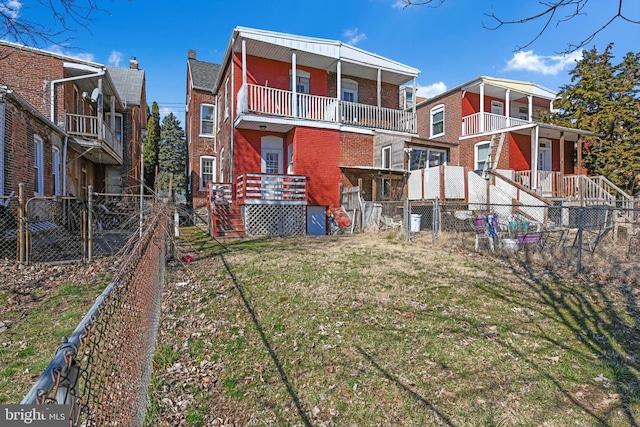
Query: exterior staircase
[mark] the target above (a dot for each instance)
(495, 148)
(227, 221)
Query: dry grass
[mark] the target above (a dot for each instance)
(371, 330)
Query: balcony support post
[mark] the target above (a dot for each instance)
(245, 106)
(379, 88)
(535, 150)
(112, 116)
(294, 85)
(530, 98)
(338, 115)
(561, 179)
(507, 107)
(414, 128)
(100, 109)
(481, 107)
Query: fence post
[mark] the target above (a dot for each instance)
(90, 225)
(407, 220)
(21, 234)
(580, 227)
(435, 223)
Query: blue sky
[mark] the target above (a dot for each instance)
(448, 43)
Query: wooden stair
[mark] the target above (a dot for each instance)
(227, 221)
(495, 148)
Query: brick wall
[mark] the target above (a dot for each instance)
(452, 125)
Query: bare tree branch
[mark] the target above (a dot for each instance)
(550, 14)
(67, 16)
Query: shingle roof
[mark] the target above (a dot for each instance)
(129, 82)
(203, 74)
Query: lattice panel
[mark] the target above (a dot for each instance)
(275, 220)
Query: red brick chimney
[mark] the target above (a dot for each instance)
(191, 54)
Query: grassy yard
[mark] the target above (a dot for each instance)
(371, 330)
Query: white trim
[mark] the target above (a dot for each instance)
(475, 153)
(212, 173)
(496, 103)
(290, 159)
(385, 157)
(435, 110)
(271, 145)
(38, 165)
(221, 166)
(213, 121)
(349, 86)
(55, 167)
(115, 131)
(226, 99)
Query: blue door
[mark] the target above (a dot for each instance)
(316, 221)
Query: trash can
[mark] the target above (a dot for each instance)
(415, 222)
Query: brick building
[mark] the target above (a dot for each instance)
(296, 117)
(102, 111)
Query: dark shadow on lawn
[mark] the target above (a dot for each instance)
(582, 303)
(440, 417)
(268, 346)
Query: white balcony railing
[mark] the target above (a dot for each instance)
(87, 127)
(278, 102)
(488, 122)
(260, 188)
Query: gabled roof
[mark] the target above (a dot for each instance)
(5, 91)
(129, 83)
(203, 74)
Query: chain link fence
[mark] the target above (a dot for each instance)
(570, 233)
(103, 369)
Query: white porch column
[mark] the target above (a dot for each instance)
(507, 106)
(535, 153)
(245, 100)
(379, 88)
(530, 98)
(481, 107)
(294, 85)
(338, 115)
(414, 97)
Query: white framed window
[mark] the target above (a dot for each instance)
(226, 99)
(386, 157)
(349, 90)
(272, 153)
(497, 107)
(422, 157)
(38, 166)
(207, 119)
(303, 81)
(55, 160)
(437, 121)
(207, 171)
(481, 152)
(118, 127)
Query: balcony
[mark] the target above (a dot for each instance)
(280, 103)
(479, 123)
(269, 189)
(101, 142)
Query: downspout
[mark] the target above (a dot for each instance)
(68, 79)
(64, 166)
(232, 153)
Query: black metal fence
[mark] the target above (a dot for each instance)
(103, 369)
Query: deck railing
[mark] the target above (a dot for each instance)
(87, 127)
(278, 102)
(488, 122)
(259, 188)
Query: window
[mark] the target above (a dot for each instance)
(55, 157)
(303, 80)
(497, 107)
(272, 160)
(437, 121)
(207, 114)
(226, 99)
(207, 171)
(422, 158)
(118, 127)
(38, 166)
(349, 90)
(481, 154)
(386, 157)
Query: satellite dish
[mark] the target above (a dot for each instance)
(95, 94)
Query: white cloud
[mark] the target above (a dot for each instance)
(354, 36)
(399, 4)
(548, 65)
(114, 58)
(66, 52)
(431, 90)
(11, 9)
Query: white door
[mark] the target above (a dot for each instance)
(545, 173)
(272, 166)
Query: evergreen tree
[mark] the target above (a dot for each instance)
(172, 156)
(604, 98)
(152, 147)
